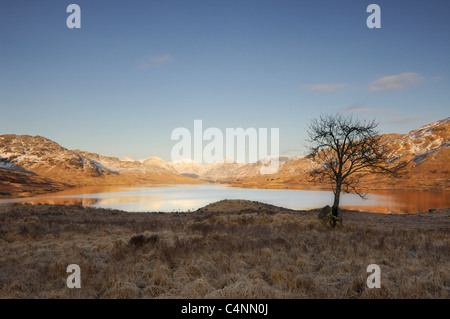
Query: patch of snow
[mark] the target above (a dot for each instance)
(185, 161)
(7, 164)
(100, 166)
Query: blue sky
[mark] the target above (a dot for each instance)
(136, 70)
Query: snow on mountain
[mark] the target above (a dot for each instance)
(226, 169)
(156, 162)
(128, 166)
(184, 161)
(7, 164)
(50, 160)
(428, 140)
(188, 167)
(426, 149)
(424, 142)
(47, 158)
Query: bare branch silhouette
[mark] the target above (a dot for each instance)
(346, 149)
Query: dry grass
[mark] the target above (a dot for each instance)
(264, 253)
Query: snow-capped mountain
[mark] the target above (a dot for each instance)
(129, 166)
(49, 159)
(34, 160)
(225, 170)
(427, 141)
(188, 167)
(426, 149)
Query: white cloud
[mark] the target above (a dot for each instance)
(325, 87)
(153, 61)
(396, 82)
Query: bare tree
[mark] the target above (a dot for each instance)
(347, 149)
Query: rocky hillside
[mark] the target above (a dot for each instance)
(427, 150)
(424, 145)
(16, 180)
(152, 165)
(28, 159)
(35, 160)
(49, 159)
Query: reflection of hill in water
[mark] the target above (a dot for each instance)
(65, 201)
(94, 201)
(125, 200)
(405, 202)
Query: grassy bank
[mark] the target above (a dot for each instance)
(241, 252)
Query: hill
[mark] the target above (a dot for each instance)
(426, 149)
(33, 164)
(35, 160)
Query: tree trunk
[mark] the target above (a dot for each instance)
(335, 208)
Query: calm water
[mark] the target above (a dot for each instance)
(172, 198)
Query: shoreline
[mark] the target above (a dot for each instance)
(409, 205)
(29, 194)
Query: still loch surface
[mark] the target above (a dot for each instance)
(175, 198)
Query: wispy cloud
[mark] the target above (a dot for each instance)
(396, 82)
(152, 61)
(409, 119)
(361, 108)
(325, 87)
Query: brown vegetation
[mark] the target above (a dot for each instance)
(265, 252)
(23, 184)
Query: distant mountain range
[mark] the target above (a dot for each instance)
(35, 164)
(24, 158)
(218, 172)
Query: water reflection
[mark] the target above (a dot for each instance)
(170, 198)
(62, 201)
(407, 202)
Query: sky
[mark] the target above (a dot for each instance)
(137, 70)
